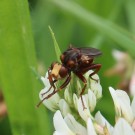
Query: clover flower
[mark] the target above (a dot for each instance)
(70, 118)
(125, 68)
(70, 100)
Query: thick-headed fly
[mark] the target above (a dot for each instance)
(76, 60)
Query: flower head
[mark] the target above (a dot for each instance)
(69, 99)
(71, 118)
(125, 68)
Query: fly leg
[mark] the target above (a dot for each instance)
(82, 78)
(50, 88)
(92, 66)
(55, 91)
(51, 81)
(97, 68)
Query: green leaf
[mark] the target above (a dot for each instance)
(37, 75)
(5, 127)
(116, 33)
(130, 10)
(99, 38)
(17, 55)
(56, 46)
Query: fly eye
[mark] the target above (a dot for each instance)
(63, 72)
(62, 57)
(71, 63)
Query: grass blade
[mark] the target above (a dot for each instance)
(130, 9)
(17, 55)
(106, 27)
(56, 46)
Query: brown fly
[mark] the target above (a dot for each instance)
(76, 60)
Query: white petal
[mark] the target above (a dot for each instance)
(133, 106)
(123, 96)
(60, 125)
(103, 122)
(116, 101)
(95, 76)
(52, 102)
(122, 128)
(96, 88)
(45, 80)
(90, 128)
(118, 55)
(64, 107)
(84, 113)
(57, 133)
(122, 104)
(91, 100)
(76, 127)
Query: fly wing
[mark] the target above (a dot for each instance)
(90, 52)
(70, 55)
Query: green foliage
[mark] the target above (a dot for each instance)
(108, 28)
(90, 22)
(17, 55)
(56, 46)
(106, 24)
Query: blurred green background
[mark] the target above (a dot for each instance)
(26, 43)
